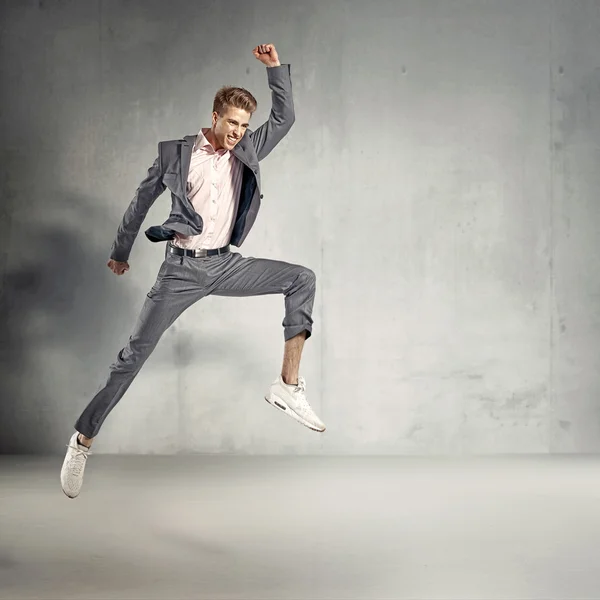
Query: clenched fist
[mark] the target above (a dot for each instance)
(118, 267)
(267, 55)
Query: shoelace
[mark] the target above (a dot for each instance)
(301, 387)
(79, 453)
(300, 390)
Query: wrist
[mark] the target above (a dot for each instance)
(277, 64)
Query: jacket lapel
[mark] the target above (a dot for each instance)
(186, 158)
(239, 152)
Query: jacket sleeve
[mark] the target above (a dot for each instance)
(148, 191)
(281, 118)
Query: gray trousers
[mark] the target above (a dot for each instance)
(183, 280)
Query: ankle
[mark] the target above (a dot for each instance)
(84, 441)
(289, 380)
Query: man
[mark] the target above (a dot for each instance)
(214, 179)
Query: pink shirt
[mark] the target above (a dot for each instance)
(213, 187)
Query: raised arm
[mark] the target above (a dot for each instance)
(282, 117)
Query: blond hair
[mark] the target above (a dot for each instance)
(234, 97)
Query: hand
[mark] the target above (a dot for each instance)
(118, 267)
(267, 55)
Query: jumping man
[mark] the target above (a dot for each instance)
(214, 180)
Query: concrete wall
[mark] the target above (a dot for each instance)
(441, 179)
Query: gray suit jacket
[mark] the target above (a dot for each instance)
(171, 169)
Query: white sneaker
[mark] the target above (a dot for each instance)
(292, 400)
(71, 475)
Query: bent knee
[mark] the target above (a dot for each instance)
(308, 277)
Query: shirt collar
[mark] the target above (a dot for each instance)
(204, 144)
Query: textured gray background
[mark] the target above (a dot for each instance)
(441, 179)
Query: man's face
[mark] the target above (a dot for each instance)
(232, 124)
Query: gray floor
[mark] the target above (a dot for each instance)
(303, 527)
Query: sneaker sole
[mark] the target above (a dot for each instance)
(281, 405)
